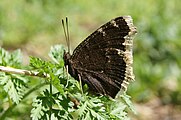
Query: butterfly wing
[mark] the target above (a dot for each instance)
(104, 59)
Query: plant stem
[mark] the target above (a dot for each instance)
(50, 98)
(22, 72)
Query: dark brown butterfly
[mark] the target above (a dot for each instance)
(104, 59)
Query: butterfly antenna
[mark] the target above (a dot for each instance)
(65, 32)
(68, 35)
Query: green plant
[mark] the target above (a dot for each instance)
(65, 98)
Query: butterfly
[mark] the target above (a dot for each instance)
(104, 59)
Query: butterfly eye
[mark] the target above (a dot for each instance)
(66, 58)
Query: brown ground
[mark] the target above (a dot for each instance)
(153, 110)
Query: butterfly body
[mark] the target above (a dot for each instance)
(104, 59)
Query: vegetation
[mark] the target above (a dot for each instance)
(65, 99)
(34, 26)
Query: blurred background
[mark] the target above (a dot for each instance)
(35, 25)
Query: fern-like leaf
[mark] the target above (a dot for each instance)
(38, 109)
(14, 85)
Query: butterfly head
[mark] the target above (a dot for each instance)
(66, 58)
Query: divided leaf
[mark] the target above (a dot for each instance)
(14, 85)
